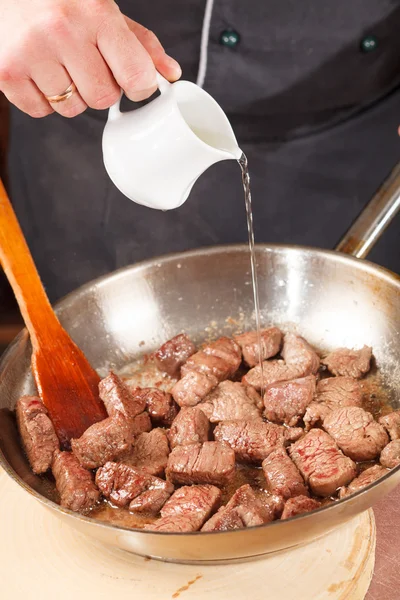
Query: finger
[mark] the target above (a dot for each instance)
(166, 65)
(25, 95)
(92, 77)
(53, 79)
(129, 62)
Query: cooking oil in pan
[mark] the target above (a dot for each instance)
(247, 198)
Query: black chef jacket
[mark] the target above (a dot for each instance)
(312, 91)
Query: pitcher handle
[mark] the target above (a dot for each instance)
(114, 113)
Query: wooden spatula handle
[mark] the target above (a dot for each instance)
(21, 272)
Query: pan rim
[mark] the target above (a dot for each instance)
(362, 264)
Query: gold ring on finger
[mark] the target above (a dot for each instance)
(64, 96)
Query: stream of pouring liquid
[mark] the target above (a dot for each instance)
(247, 198)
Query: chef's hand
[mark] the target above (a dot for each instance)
(47, 44)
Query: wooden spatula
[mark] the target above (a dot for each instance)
(65, 380)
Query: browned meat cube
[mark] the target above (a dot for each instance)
(140, 423)
(74, 483)
(172, 524)
(252, 441)
(191, 426)
(221, 358)
(199, 501)
(300, 360)
(273, 371)
(207, 364)
(231, 401)
(189, 507)
(298, 353)
(173, 354)
(37, 433)
(118, 398)
(149, 453)
(192, 388)
(282, 475)
(321, 463)
(228, 350)
(349, 363)
(293, 434)
(286, 402)
(244, 509)
(150, 501)
(107, 440)
(356, 433)
(159, 404)
(224, 520)
(121, 483)
(299, 505)
(271, 340)
(390, 455)
(368, 476)
(195, 463)
(391, 423)
(332, 393)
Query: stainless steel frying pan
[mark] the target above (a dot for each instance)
(330, 298)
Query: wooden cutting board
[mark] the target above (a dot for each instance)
(41, 557)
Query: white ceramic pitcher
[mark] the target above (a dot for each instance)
(155, 153)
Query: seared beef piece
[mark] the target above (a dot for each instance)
(244, 509)
(150, 501)
(273, 503)
(231, 401)
(298, 505)
(253, 440)
(300, 360)
(293, 434)
(271, 340)
(282, 475)
(74, 483)
(118, 398)
(321, 463)
(297, 352)
(221, 358)
(207, 364)
(173, 354)
(198, 501)
(391, 423)
(192, 388)
(332, 393)
(286, 402)
(149, 453)
(191, 426)
(107, 440)
(368, 476)
(121, 483)
(349, 363)
(390, 455)
(356, 433)
(160, 405)
(172, 524)
(37, 432)
(140, 423)
(195, 463)
(228, 350)
(224, 520)
(188, 508)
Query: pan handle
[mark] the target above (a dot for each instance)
(374, 219)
